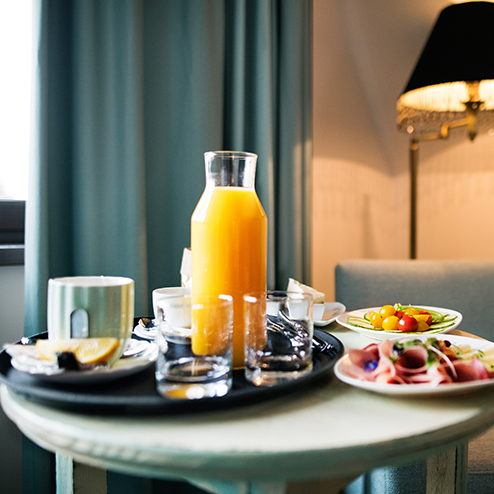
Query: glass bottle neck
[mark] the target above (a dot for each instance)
(230, 169)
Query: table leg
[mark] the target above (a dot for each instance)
(240, 487)
(73, 477)
(447, 472)
(325, 486)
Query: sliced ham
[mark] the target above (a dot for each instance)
(367, 358)
(382, 363)
(470, 371)
(412, 360)
(435, 375)
(386, 348)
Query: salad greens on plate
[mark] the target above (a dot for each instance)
(389, 321)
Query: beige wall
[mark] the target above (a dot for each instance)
(364, 53)
(456, 199)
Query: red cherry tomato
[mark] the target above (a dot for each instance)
(399, 314)
(408, 324)
(429, 320)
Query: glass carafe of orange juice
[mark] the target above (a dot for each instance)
(229, 242)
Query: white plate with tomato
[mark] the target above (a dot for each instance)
(405, 320)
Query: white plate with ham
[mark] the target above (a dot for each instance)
(357, 320)
(425, 365)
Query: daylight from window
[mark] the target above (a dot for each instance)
(15, 96)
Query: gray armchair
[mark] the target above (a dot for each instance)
(465, 286)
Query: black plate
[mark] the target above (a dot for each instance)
(136, 395)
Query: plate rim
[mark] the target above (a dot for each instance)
(423, 389)
(385, 335)
(122, 368)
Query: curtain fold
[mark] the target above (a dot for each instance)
(268, 99)
(130, 94)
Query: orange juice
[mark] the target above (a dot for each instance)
(229, 256)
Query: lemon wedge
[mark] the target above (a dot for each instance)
(95, 351)
(296, 286)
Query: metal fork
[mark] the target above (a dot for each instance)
(317, 342)
(294, 329)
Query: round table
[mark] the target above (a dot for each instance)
(332, 431)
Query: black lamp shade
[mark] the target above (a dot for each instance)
(456, 65)
(460, 47)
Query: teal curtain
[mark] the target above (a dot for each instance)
(129, 95)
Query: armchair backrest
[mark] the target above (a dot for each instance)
(465, 286)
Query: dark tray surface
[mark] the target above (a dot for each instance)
(137, 395)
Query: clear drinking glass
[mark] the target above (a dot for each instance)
(184, 372)
(278, 338)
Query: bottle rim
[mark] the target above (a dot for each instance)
(230, 154)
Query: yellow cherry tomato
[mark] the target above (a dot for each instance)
(390, 323)
(423, 326)
(422, 317)
(411, 311)
(386, 311)
(376, 320)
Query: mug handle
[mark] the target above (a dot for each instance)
(79, 324)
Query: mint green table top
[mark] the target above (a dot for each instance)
(331, 431)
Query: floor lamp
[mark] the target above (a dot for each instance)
(451, 86)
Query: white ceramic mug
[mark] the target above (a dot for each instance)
(91, 306)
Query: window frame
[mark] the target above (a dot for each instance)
(12, 223)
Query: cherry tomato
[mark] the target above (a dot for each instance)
(422, 326)
(386, 311)
(411, 311)
(390, 323)
(399, 314)
(423, 318)
(429, 320)
(376, 320)
(408, 324)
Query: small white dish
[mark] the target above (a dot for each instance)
(148, 334)
(343, 365)
(121, 368)
(135, 347)
(331, 311)
(379, 334)
(173, 331)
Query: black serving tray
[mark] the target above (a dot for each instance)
(137, 395)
